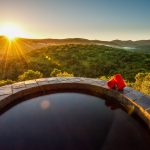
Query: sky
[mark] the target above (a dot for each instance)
(90, 19)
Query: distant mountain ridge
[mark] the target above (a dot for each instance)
(32, 44)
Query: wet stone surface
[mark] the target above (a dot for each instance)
(134, 95)
(144, 101)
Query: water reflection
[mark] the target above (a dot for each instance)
(70, 121)
(45, 104)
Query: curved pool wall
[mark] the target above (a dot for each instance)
(133, 101)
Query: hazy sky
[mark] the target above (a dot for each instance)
(92, 19)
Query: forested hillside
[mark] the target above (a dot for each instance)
(81, 60)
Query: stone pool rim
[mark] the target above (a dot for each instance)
(130, 99)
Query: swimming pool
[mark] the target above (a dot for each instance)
(70, 121)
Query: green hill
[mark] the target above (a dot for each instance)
(34, 44)
(81, 60)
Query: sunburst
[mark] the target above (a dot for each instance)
(12, 47)
(11, 31)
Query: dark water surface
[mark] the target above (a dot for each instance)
(70, 121)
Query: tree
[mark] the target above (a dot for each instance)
(29, 75)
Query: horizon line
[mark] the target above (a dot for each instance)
(49, 38)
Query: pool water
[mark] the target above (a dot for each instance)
(70, 121)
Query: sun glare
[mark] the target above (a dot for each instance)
(11, 31)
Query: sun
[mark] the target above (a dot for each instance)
(11, 31)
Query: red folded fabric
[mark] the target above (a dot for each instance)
(111, 83)
(117, 81)
(120, 81)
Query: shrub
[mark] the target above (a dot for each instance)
(64, 74)
(5, 82)
(55, 72)
(142, 83)
(145, 87)
(59, 73)
(104, 78)
(29, 75)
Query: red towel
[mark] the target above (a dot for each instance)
(117, 81)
